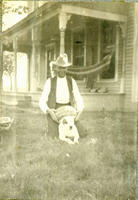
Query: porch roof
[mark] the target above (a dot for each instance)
(51, 9)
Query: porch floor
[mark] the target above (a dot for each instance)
(92, 101)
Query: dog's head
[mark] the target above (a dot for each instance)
(67, 121)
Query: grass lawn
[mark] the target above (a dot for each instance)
(101, 167)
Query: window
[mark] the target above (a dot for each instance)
(78, 48)
(9, 71)
(108, 40)
(50, 55)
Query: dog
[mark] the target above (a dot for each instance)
(68, 131)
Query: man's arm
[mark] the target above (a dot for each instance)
(44, 97)
(43, 101)
(78, 99)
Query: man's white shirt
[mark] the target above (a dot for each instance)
(62, 94)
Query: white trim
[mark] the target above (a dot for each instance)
(93, 13)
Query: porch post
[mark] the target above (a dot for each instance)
(38, 70)
(63, 19)
(123, 34)
(99, 46)
(99, 43)
(28, 72)
(15, 48)
(62, 41)
(1, 72)
(36, 59)
(33, 63)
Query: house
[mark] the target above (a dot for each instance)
(82, 30)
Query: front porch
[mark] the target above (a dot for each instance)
(65, 28)
(92, 101)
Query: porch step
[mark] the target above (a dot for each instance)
(21, 99)
(25, 101)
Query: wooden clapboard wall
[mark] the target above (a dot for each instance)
(129, 62)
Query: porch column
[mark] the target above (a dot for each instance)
(122, 26)
(28, 72)
(1, 72)
(99, 43)
(99, 46)
(15, 48)
(33, 63)
(63, 19)
(62, 41)
(38, 64)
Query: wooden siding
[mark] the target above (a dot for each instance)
(128, 104)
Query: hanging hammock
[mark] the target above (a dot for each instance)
(93, 69)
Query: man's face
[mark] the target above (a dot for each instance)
(61, 71)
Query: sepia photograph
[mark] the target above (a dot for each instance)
(68, 100)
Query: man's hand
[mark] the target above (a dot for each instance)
(78, 115)
(52, 114)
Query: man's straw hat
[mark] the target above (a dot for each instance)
(61, 61)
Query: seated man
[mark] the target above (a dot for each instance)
(58, 91)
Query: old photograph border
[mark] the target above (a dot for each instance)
(20, 117)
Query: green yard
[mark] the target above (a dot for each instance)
(101, 167)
